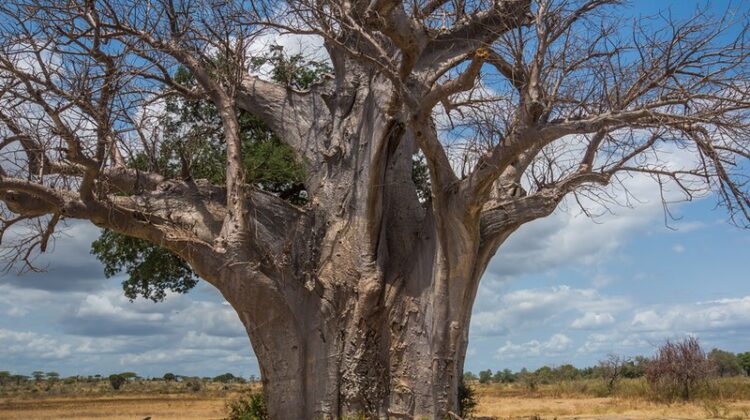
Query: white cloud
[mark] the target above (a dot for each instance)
(569, 237)
(523, 308)
(593, 320)
(309, 46)
(556, 344)
(32, 345)
(702, 316)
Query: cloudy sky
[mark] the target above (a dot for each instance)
(563, 289)
(566, 289)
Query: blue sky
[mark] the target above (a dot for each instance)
(565, 289)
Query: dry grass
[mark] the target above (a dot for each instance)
(605, 408)
(134, 401)
(174, 401)
(177, 406)
(722, 399)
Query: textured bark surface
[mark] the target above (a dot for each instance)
(359, 301)
(367, 307)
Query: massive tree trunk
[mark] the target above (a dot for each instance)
(364, 306)
(359, 301)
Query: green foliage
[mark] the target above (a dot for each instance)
(116, 380)
(193, 147)
(529, 379)
(505, 376)
(744, 359)
(485, 376)
(226, 378)
(151, 270)
(249, 406)
(38, 375)
(294, 71)
(169, 377)
(467, 401)
(725, 363)
(129, 375)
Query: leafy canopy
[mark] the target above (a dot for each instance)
(193, 148)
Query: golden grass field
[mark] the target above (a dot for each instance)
(494, 401)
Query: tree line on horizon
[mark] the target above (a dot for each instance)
(723, 363)
(117, 379)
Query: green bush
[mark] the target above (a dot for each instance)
(249, 406)
(466, 399)
(116, 381)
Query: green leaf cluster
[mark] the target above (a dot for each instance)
(192, 147)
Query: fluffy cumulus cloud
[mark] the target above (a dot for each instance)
(533, 307)
(593, 320)
(97, 330)
(570, 238)
(556, 344)
(723, 323)
(717, 315)
(17, 344)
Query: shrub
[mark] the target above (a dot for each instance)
(170, 377)
(529, 379)
(194, 384)
(678, 369)
(726, 363)
(466, 399)
(116, 380)
(485, 376)
(612, 370)
(249, 406)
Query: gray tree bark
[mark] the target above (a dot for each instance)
(358, 302)
(366, 304)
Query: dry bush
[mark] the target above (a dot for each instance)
(678, 368)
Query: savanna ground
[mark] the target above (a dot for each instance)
(723, 398)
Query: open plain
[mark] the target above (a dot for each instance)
(158, 401)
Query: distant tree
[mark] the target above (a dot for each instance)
(38, 375)
(469, 376)
(566, 372)
(612, 369)
(116, 380)
(19, 379)
(529, 379)
(744, 359)
(506, 376)
(636, 367)
(128, 376)
(52, 376)
(726, 363)
(5, 377)
(485, 376)
(678, 367)
(544, 374)
(225, 378)
(170, 377)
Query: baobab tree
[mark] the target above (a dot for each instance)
(357, 299)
